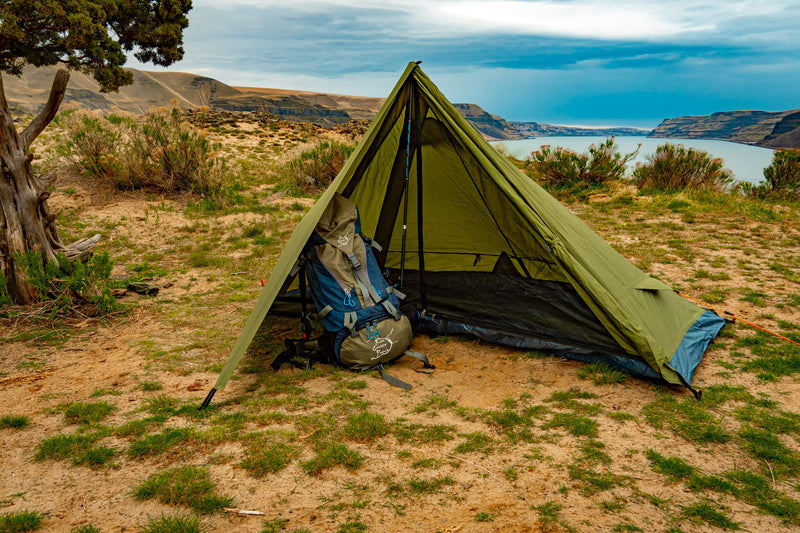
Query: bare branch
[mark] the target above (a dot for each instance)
(44, 181)
(50, 108)
(81, 249)
(43, 196)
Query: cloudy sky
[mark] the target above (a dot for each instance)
(594, 62)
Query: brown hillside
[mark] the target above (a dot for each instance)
(150, 89)
(358, 107)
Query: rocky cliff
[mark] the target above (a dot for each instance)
(491, 126)
(773, 129)
(785, 134)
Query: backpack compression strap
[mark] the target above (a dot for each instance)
(400, 383)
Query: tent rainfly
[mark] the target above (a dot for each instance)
(482, 250)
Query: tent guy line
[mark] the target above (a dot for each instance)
(735, 317)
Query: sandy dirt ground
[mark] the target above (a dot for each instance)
(181, 338)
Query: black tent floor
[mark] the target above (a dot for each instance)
(436, 326)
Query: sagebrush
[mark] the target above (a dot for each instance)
(313, 170)
(781, 177)
(559, 166)
(159, 151)
(673, 167)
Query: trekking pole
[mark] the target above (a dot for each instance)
(405, 186)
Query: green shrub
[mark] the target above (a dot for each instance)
(313, 170)
(560, 166)
(94, 145)
(782, 176)
(160, 151)
(675, 168)
(69, 287)
(557, 166)
(170, 155)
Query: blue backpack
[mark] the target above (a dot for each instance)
(359, 309)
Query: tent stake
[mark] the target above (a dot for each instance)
(208, 399)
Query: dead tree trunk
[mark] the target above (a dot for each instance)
(26, 222)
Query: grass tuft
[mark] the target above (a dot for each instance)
(160, 442)
(476, 442)
(87, 413)
(183, 485)
(421, 433)
(577, 425)
(705, 512)
(674, 467)
(366, 427)
(274, 526)
(549, 515)
(429, 486)
(602, 374)
(20, 521)
(333, 455)
(263, 459)
(688, 418)
(764, 445)
(593, 482)
(87, 528)
(80, 449)
(14, 422)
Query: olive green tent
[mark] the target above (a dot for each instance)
(482, 250)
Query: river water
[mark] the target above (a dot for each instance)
(746, 162)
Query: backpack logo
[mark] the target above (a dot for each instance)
(343, 240)
(382, 346)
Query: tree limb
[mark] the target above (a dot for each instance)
(50, 108)
(81, 249)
